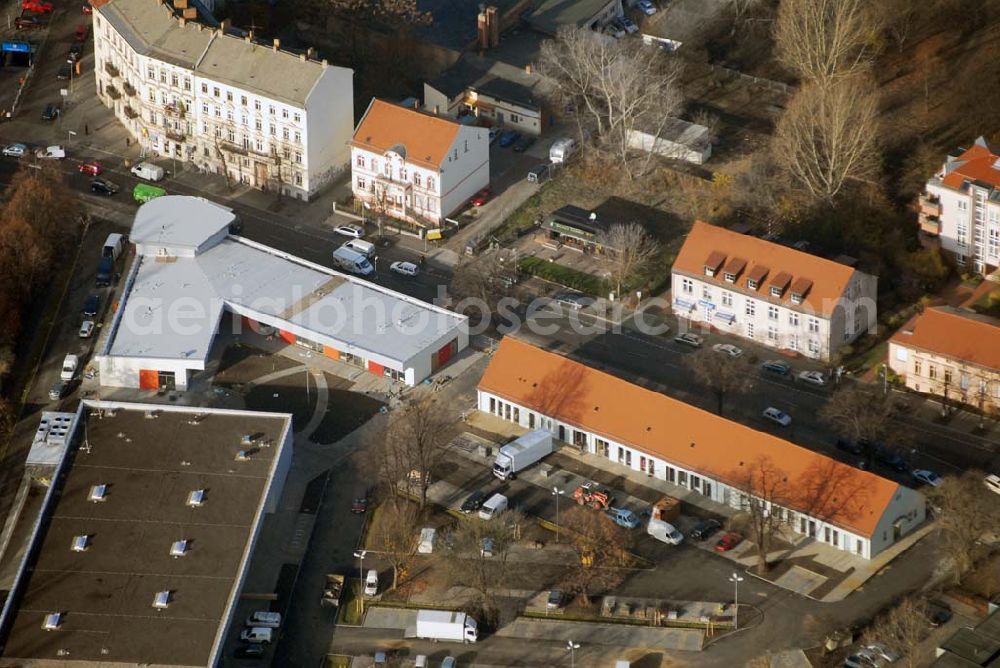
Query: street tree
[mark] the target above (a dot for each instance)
(628, 249)
(823, 40)
(486, 278)
(862, 415)
(601, 551)
(418, 432)
(901, 627)
(721, 374)
(765, 485)
(827, 137)
(394, 536)
(967, 511)
(611, 88)
(389, 460)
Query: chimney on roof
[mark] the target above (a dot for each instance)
(225, 24)
(302, 57)
(201, 26)
(437, 109)
(180, 4)
(310, 53)
(247, 37)
(181, 21)
(529, 69)
(190, 13)
(276, 43)
(325, 63)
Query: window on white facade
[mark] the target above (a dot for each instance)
(729, 278)
(298, 117)
(151, 73)
(430, 183)
(256, 105)
(752, 284)
(243, 100)
(187, 83)
(204, 108)
(416, 179)
(284, 113)
(772, 334)
(360, 161)
(706, 293)
(229, 96)
(963, 205)
(204, 88)
(813, 347)
(772, 312)
(361, 183)
(793, 319)
(260, 145)
(258, 125)
(994, 242)
(687, 285)
(962, 233)
(751, 308)
(270, 110)
(173, 80)
(298, 157)
(231, 136)
(218, 112)
(215, 91)
(727, 298)
(298, 137)
(813, 326)
(284, 133)
(298, 179)
(749, 330)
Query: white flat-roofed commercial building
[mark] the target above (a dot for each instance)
(261, 115)
(189, 272)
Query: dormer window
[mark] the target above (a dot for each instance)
(799, 289)
(780, 283)
(775, 291)
(796, 298)
(709, 271)
(752, 284)
(729, 278)
(714, 263)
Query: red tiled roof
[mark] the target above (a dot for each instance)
(424, 137)
(828, 279)
(956, 334)
(975, 164)
(677, 432)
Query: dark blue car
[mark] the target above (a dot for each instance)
(508, 137)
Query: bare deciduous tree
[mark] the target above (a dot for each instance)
(612, 88)
(487, 277)
(600, 547)
(861, 415)
(721, 374)
(630, 249)
(828, 136)
(418, 432)
(765, 485)
(968, 510)
(394, 536)
(822, 40)
(901, 628)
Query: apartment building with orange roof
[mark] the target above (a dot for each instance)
(607, 417)
(770, 293)
(415, 166)
(961, 207)
(952, 353)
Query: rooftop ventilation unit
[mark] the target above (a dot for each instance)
(161, 600)
(179, 548)
(151, 415)
(247, 439)
(98, 493)
(52, 621)
(197, 419)
(242, 456)
(80, 543)
(196, 498)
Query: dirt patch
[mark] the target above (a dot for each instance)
(243, 364)
(345, 411)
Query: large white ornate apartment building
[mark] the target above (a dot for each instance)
(961, 206)
(772, 294)
(262, 116)
(415, 166)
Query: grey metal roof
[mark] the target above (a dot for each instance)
(554, 14)
(152, 30)
(492, 77)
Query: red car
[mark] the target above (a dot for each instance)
(360, 505)
(82, 32)
(728, 542)
(93, 168)
(481, 197)
(37, 6)
(87, 9)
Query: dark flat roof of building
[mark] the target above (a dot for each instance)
(106, 592)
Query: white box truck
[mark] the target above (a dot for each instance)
(148, 171)
(522, 453)
(446, 625)
(561, 150)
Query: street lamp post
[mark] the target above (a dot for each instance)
(361, 577)
(69, 136)
(885, 379)
(736, 580)
(572, 647)
(556, 492)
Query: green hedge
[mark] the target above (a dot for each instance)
(571, 278)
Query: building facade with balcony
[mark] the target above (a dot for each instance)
(951, 353)
(769, 293)
(259, 115)
(414, 166)
(961, 207)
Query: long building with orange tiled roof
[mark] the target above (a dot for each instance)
(608, 417)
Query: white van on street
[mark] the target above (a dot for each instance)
(495, 505)
(113, 246)
(264, 619)
(366, 248)
(352, 261)
(148, 171)
(371, 583)
(257, 634)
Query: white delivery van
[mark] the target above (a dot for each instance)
(113, 246)
(257, 634)
(263, 619)
(352, 261)
(426, 544)
(561, 150)
(371, 583)
(495, 505)
(366, 248)
(148, 171)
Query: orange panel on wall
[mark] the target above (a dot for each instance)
(288, 337)
(149, 379)
(376, 368)
(332, 353)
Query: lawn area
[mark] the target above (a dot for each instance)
(988, 304)
(557, 273)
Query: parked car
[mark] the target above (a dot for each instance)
(474, 501)
(69, 366)
(92, 167)
(75, 51)
(629, 25)
(776, 367)
(508, 137)
(884, 651)
(612, 29)
(404, 268)
(623, 517)
(486, 547)
(371, 582)
(704, 529)
(555, 600)
(992, 482)
(855, 661)
(927, 477)
(812, 377)
(774, 415)
(59, 390)
(523, 143)
(82, 32)
(847, 445)
(938, 613)
(538, 174)
(890, 458)
(494, 135)
(728, 542)
(65, 71)
(360, 505)
(254, 650)
(355, 231)
(573, 300)
(86, 329)
(689, 339)
(481, 197)
(103, 187)
(15, 150)
(40, 6)
(87, 8)
(727, 349)
(54, 152)
(90, 305)
(448, 662)
(30, 23)
(646, 7)
(51, 112)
